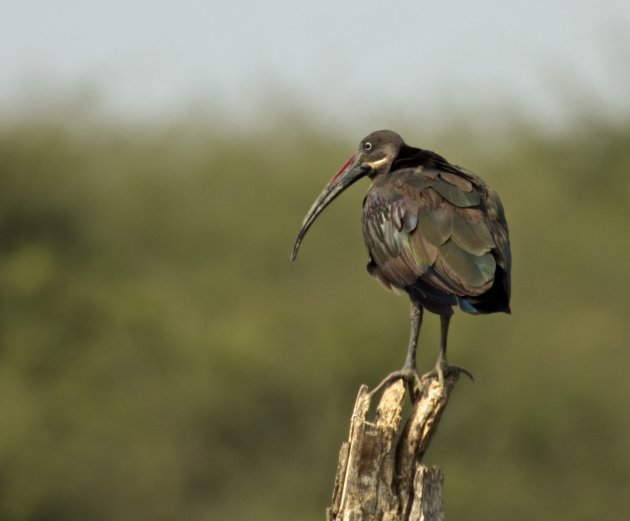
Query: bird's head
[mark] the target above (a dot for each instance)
(375, 155)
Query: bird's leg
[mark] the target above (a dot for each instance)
(409, 371)
(416, 323)
(442, 364)
(442, 367)
(414, 381)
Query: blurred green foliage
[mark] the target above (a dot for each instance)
(161, 358)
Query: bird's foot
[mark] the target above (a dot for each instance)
(410, 375)
(443, 370)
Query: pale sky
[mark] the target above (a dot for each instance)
(341, 60)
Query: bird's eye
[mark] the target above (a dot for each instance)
(367, 145)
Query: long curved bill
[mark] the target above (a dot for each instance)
(350, 172)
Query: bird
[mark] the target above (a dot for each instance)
(433, 230)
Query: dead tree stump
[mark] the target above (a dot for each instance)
(380, 476)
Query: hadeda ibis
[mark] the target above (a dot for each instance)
(432, 229)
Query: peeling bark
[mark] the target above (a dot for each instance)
(380, 476)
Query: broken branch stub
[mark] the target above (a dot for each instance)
(380, 475)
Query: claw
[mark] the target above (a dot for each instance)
(410, 375)
(461, 369)
(444, 370)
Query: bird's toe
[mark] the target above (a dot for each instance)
(444, 370)
(410, 375)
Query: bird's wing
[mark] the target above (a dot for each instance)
(444, 227)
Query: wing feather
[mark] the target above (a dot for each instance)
(436, 229)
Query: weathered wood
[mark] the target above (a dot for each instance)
(380, 476)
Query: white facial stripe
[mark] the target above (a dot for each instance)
(379, 162)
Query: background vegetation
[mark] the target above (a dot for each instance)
(161, 358)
